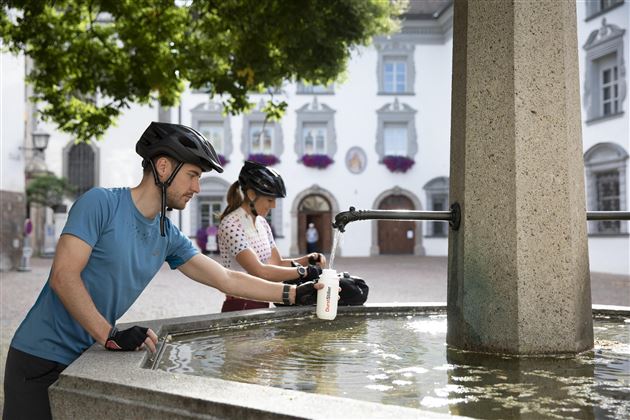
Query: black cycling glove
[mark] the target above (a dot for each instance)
(126, 340)
(315, 260)
(312, 273)
(306, 294)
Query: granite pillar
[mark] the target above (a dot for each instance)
(518, 279)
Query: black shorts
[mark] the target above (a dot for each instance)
(26, 382)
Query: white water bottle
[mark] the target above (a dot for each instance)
(327, 296)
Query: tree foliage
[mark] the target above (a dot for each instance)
(92, 58)
(48, 190)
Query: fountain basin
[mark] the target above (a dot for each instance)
(104, 383)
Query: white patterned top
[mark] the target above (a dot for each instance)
(237, 233)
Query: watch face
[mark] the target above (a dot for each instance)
(301, 271)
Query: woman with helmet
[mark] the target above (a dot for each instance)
(114, 241)
(245, 238)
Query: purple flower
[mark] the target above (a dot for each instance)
(316, 161)
(263, 159)
(398, 163)
(223, 160)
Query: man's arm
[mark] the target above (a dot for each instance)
(207, 271)
(71, 256)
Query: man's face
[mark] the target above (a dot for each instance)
(184, 186)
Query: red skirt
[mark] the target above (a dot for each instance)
(237, 304)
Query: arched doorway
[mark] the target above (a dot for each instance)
(396, 236)
(315, 209)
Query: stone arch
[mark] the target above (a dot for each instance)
(418, 248)
(312, 190)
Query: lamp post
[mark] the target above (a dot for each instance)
(36, 164)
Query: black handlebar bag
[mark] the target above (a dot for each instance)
(354, 290)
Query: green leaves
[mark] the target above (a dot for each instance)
(48, 190)
(93, 58)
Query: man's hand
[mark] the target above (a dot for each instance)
(306, 293)
(134, 338)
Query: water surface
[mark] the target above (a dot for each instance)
(402, 359)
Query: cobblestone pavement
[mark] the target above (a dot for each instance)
(171, 294)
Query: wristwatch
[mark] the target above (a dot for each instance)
(301, 271)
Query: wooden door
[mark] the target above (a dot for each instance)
(396, 236)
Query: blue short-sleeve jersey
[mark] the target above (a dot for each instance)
(127, 252)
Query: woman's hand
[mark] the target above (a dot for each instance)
(317, 258)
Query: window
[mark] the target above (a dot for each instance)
(437, 200)
(396, 131)
(604, 84)
(605, 166)
(395, 138)
(210, 212)
(607, 185)
(214, 132)
(395, 75)
(261, 136)
(315, 132)
(314, 136)
(81, 166)
(305, 88)
(208, 119)
(595, 8)
(395, 68)
(610, 89)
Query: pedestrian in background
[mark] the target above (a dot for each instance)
(312, 236)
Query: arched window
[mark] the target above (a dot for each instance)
(605, 165)
(80, 166)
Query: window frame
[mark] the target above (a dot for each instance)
(314, 89)
(316, 113)
(602, 158)
(258, 117)
(401, 51)
(212, 112)
(96, 165)
(396, 113)
(604, 44)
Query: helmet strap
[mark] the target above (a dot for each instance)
(163, 186)
(252, 204)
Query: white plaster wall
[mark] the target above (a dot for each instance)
(609, 255)
(12, 122)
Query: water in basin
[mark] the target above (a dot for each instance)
(402, 359)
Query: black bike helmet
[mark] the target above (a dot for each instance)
(263, 180)
(179, 142)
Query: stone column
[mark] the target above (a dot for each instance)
(518, 279)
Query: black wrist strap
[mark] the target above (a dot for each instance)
(112, 333)
(285, 294)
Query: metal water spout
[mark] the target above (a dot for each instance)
(452, 217)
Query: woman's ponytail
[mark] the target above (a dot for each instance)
(234, 199)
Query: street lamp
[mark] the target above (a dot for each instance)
(40, 140)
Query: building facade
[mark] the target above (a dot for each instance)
(378, 140)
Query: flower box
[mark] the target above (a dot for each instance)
(263, 159)
(223, 160)
(316, 161)
(398, 163)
